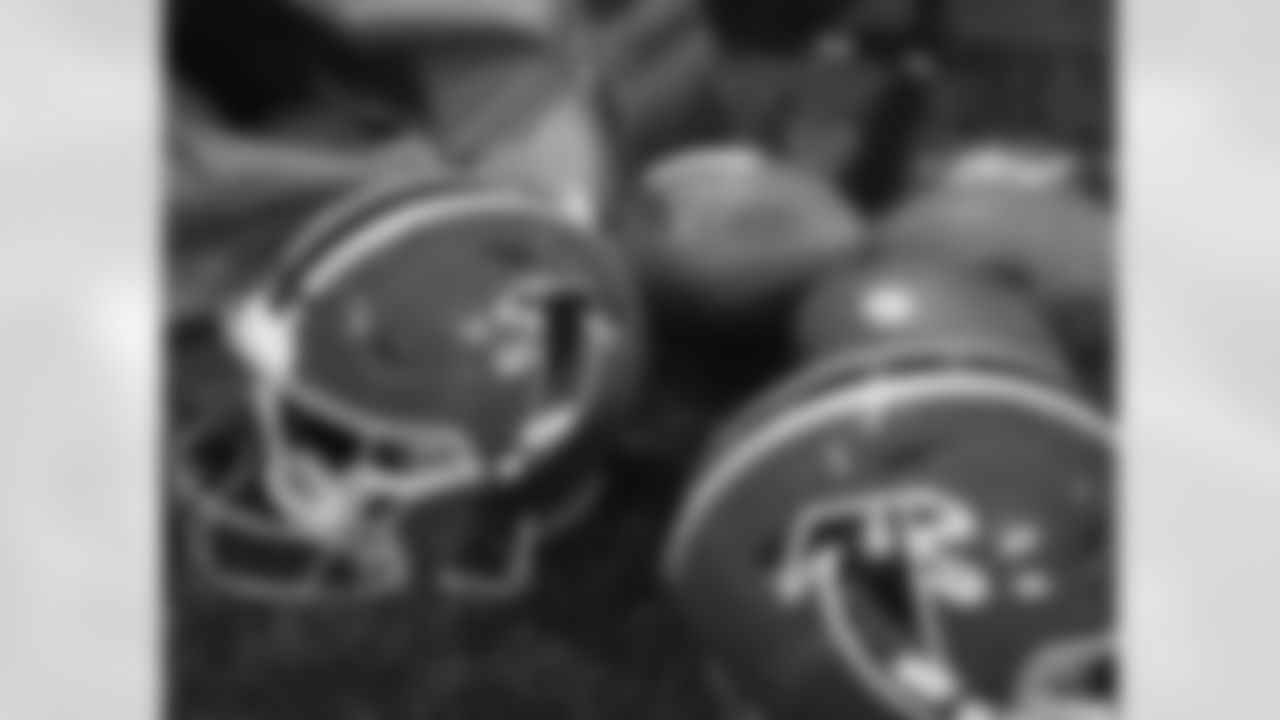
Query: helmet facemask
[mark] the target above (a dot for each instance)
(332, 470)
(342, 477)
(380, 384)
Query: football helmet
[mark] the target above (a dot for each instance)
(907, 531)
(1017, 214)
(728, 228)
(421, 348)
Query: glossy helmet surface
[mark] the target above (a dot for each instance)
(907, 532)
(420, 346)
(728, 228)
(1020, 215)
(916, 307)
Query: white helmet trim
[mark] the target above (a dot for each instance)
(865, 401)
(869, 401)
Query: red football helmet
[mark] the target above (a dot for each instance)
(908, 530)
(421, 347)
(1016, 213)
(728, 228)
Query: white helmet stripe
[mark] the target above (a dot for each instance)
(396, 226)
(867, 400)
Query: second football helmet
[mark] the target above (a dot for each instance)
(419, 347)
(1017, 215)
(907, 530)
